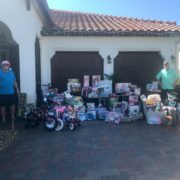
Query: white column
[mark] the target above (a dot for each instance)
(108, 67)
(46, 54)
(27, 70)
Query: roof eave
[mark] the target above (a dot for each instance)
(54, 32)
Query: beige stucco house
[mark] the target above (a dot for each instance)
(47, 45)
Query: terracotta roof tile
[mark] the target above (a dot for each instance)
(74, 23)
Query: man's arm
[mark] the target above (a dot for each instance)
(16, 87)
(158, 77)
(15, 83)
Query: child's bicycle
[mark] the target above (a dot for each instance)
(45, 114)
(66, 117)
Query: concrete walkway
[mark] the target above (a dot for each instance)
(95, 151)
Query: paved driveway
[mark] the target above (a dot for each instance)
(97, 150)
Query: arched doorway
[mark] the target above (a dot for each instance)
(9, 49)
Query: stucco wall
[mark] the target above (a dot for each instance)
(24, 26)
(105, 46)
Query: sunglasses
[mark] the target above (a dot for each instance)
(5, 64)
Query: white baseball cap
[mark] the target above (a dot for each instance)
(5, 62)
(165, 62)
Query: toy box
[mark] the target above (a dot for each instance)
(82, 116)
(102, 113)
(107, 88)
(134, 112)
(122, 87)
(95, 80)
(86, 81)
(113, 117)
(133, 99)
(74, 87)
(91, 115)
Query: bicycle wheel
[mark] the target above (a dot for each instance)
(50, 123)
(60, 125)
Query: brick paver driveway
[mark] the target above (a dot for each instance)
(97, 150)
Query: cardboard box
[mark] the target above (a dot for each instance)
(113, 117)
(74, 87)
(86, 81)
(82, 116)
(73, 80)
(102, 113)
(95, 80)
(122, 87)
(91, 115)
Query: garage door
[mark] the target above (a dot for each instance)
(137, 67)
(70, 65)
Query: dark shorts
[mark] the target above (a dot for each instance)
(164, 96)
(7, 99)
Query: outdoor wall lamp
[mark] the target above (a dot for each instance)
(173, 58)
(109, 59)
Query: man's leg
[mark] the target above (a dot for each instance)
(3, 113)
(12, 110)
(3, 101)
(163, 95)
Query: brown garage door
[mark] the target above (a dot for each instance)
(137, 67)
(67, 65)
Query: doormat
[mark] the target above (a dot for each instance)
(7, 137)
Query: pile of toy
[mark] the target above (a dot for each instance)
(158, 113)
(152, 108)
(65, 110)
(124, 106)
